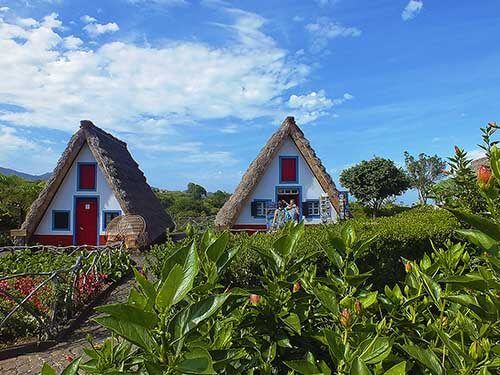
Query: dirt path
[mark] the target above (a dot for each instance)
(57, 356)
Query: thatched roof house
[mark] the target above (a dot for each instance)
(287, 168)
(95, 180)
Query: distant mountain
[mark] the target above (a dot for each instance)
(26, 176)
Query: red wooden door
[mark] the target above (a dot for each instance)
(86, 221)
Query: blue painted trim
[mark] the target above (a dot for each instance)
(299, 203)
(296, 169)
(104, 212)
(75, 199)
(68, 229)
(78, 176)
(313, 216)
(261, 200)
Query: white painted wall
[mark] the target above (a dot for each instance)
(266, 189)
(64, 198)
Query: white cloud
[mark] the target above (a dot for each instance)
(72, 42)
(412, 9)
(476, 154)
(324, 29)
(135, 88)
(96, 29)
(27, 22)
(229, 129)
(309, 107)
(88, 19)
(324, 3)
(187, 152)
(4, 9)
(23, 154)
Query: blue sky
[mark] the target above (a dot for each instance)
(196, 87)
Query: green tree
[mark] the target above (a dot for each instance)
(423, 172)
(196, 191)
(373, 181)
(16, 196)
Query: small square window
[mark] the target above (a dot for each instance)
(311, 208)
(108, 216)
(259, 208)
(60, 220)
(288, 169)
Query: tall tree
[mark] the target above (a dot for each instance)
(373, 181)
(424, 171)
(196, 191)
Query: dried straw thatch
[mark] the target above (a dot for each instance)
(476, 163)
(228, 214)
(120, 171)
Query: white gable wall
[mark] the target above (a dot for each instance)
(64, 198)
(266, 188)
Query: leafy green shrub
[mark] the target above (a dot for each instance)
(407, 235)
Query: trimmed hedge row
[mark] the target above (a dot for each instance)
(407, 235)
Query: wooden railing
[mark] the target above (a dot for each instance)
(62, 283)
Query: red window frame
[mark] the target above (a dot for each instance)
(289, 169)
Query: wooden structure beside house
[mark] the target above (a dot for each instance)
(286, 168)
(95, 180)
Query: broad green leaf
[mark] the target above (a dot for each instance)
(193, 315)
(425, 357)
(334, 257)
(471, 281)
(304, 367)
(147, 287)
(47, 370)
(355, 280)
(368, 299)
(178, 257)
(335, 345)
(271, 258)
(134, 333)
(455, 353)
(337, 243)
(399, 369)
(72, 368)
(362, 246)
(169, 288)
(197, 361)
(376, 350)
(489, 227)
(292, 321)
(327, 298)
(226, 258)
(348, 235)
(433, 288)
(359, 367)
(130, 313)
(480, 239)
(287, 244)
(216, 249)
(495, 161)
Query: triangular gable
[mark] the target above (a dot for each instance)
(229, 213)
(121, 172)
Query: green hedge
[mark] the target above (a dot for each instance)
(407, 235)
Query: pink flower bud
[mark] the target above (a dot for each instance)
(254, 299)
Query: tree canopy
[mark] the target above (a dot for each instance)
(424, 171)
(373, 181)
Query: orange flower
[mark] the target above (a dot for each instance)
(254, 299)
(408, 267)
(345, 318)
(484, 176)
(296, 287)
(358, 307)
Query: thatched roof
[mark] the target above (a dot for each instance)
(120, 171)
(475, 164)
(228, 214)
